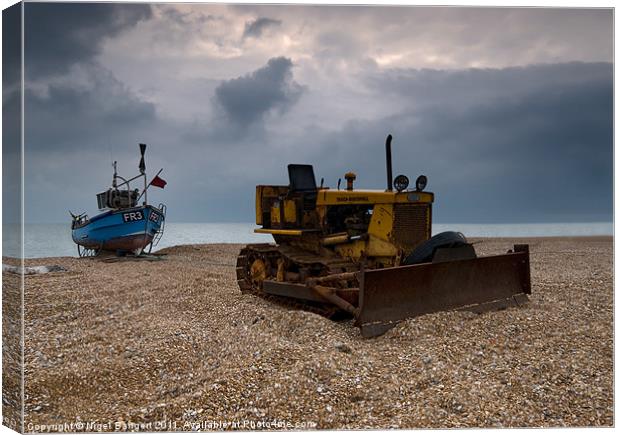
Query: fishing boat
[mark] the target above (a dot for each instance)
(125, 226)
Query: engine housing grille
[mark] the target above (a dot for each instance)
(411, 226)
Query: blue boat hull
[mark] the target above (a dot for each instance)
(120, 230)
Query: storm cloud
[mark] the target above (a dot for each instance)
(70, 99)
(537, 153)
(248, 98)
(256, 27)
(57, 35)
(11, 48)
(67, 118)
(11, 116)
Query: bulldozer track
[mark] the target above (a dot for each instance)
(293, 255)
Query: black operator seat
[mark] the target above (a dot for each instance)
(301, 178)
(302, 181)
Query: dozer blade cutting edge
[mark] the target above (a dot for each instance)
(388, 296)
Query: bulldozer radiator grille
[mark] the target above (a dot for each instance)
(412, 225)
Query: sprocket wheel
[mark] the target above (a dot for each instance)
(258, 272)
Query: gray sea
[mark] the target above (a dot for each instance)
(54, 240)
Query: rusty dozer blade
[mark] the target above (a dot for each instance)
(390, 295)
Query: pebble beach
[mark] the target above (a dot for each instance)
(173, 345)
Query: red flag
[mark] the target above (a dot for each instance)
(158, 182)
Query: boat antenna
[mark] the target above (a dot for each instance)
(114, 177)
(142, 168)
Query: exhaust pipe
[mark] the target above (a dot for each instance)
(388, 161)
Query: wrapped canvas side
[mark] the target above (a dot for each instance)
(12, 219)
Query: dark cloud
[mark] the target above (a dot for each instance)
(473, 85)
(536, 157)
(69, 117)
(257, 27)
(247, 99)
(11, 46)
(11, 114)
(58, 35)
(540, 149)
(535, 150)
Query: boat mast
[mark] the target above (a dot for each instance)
(114, 176)
(142, 168)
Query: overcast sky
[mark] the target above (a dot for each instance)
(507, 111)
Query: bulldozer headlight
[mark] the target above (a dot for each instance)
(420, 183)
(401, 182)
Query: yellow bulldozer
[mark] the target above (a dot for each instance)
(370, 254)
